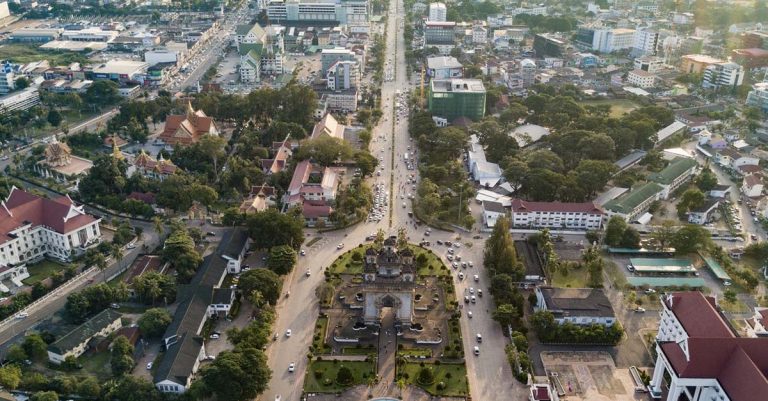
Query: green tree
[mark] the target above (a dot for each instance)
(325, 150)
(267, 282)
(614, 231)
(271, 228)
(506, 315)
(44, 396)
(630, 239)
(10, 376)
(690, 200)
(690, 238)
(130, 388)
(729, 295)
(54, 117)
(102, 92)
(16, 354)
(121, 359)
(707, 180)
(21, 83)
(344, 376)
(35, 348)
(281, 259)
(366, 162)
(237, 375)
(664, 233)
(500, 255)
(180, 252)
(426, 376)
(154, 322)
(153, 286)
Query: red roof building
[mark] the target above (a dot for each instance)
(150, 167)
(31, 227)
(186, 129)
(585, 215)
(701, 353)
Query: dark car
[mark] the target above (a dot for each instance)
(210, 234)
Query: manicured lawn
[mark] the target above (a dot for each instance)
(454, 376)
(416, 352)
(318, 338)
(576, 278)
(345, 265)
(363, 350)
(42, 270)
(321, 375)
(618, 106)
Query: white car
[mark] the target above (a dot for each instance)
(469, 314)
(309, 273)
(149, 365)
(476, 277)
(214, 336)
(278, 398)
(288, 333)
(476, 350)
(340, 246)
(22, 315)
(291, 367)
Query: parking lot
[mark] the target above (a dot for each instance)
(592, 376)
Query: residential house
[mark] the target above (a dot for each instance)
(757, 325)
(631, 205)
(748, 169)
(752, 186)
(701, 356)
(260, 198)
(492, 211)
(312, 187)
(77, 341)
(32, 227)
(444, 67)
(279, 161)
(580, 306)
(720, 191)
(705, 213)
(675, 175)
(328, 126)
(733, 159)
(556, 215)
(186, 129)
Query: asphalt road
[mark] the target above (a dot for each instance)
(490, 376)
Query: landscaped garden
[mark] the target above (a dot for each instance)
(440, 379)
(318, 338)
(427, 262)
(334, 376)
(41, 271)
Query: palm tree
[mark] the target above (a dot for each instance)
(401, 385)
(101, 263)
(159, 227)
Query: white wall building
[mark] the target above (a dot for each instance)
(580, 306)
(645, 42)
(492, 211)
(528, 72)
(32, 227)
(611, 40)
(343, 75)
(649, 64)
(701, 356)
(727, 75)
(580, 216)
(641, 79)
(438, 12)
(21, 100)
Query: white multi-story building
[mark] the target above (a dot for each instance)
(645, 42)
(438, 12)
(758, 96)
(32, 227)
(641, 79)
(700, 358)
(7, 77)
(611, 40)
(649, 64)
(21, 100)
(479, 35)
(528, 72)
(723, 75)
(262, 51)
(342, 75)
(353, 13)
(582, 216)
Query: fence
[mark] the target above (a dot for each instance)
(53, 293)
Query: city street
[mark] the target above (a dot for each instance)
(490, 377)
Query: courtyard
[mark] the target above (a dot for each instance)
(589, 375)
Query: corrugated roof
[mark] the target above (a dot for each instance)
(675, 169)
(628, 202)
(84, 332)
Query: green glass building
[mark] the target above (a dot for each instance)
(454, 98)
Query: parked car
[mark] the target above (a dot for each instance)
(149, 365)
(476, 350)
(291, 367)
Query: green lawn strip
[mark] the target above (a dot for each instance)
(313, 241)
(454, 376)
(42, 270)
(345, 265)
(318, 338)
(453, 342)
(618, 106)
(321, 375)
(363, 350)
(438, 268)
(416, 352)
(575, 278)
